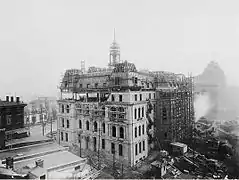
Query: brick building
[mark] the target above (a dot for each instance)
(12, 119)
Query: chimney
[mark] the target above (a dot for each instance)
(39, 163)
(18, 99)
(7, 98)
(12, 99)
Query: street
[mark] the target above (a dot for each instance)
(36, 130)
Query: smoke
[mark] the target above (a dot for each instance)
(202, 105)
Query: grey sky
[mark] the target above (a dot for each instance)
(40, 39)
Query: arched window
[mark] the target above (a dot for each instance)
(87, 125)
(112, 148)
(113, 131)
(95, 126)
(67, 109)
(80, 124)
(103, 127)
(135, 132)
(94, 143)
(62, 122)
(67, 123)
(62, 108)
(121, 132)
(120, 150)
(135, 113)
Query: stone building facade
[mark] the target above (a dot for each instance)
(111, 111)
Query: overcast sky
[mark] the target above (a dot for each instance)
(39, 40)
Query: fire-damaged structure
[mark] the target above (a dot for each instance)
(113, 110)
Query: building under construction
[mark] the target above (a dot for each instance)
(114, 110)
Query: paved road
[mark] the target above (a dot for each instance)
(37, 129)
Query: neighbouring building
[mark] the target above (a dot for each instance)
(45, 161)
(12, 119)
(111, 110)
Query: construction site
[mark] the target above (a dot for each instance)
(120, 114)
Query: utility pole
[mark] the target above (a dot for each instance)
(122, 170)
(99, 149)
(114, 162)
(42, 122)
(51, 127)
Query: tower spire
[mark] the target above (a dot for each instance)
(114, 53)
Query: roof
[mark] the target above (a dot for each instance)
(7, 103)
(51, 160)
(178, 144)
(31, 150)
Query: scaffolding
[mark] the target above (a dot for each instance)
(176, 108)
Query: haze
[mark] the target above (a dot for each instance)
(39, 40)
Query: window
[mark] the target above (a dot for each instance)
(80, 124)
(139, 130)
(138, 112)
(87, 139)
(94, 142)
(104, 84)
(67, 123)
(135, 113)
(67, 109)
(96, 85)
(95, 126)
(112, 148)
(112, 98)
(103, 127)
(120, 98)
(154, 96)
(62, 108)
(62, 136)
(79, 138)
(135, 80)
(88, 85)
(103, 143)
(113, 131)
(81, 86)
(87, 125)
(140, 97)
(164, 114)
(140, 147)
(62, 122)
(66, 137)
(9, 119)
(149, 95)
(121, 132)
(143, 129)
(135, 132)
(117, 80)
(142, 111)
(143, 145)
(136, 149)
(120, 150)
(135, 97)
